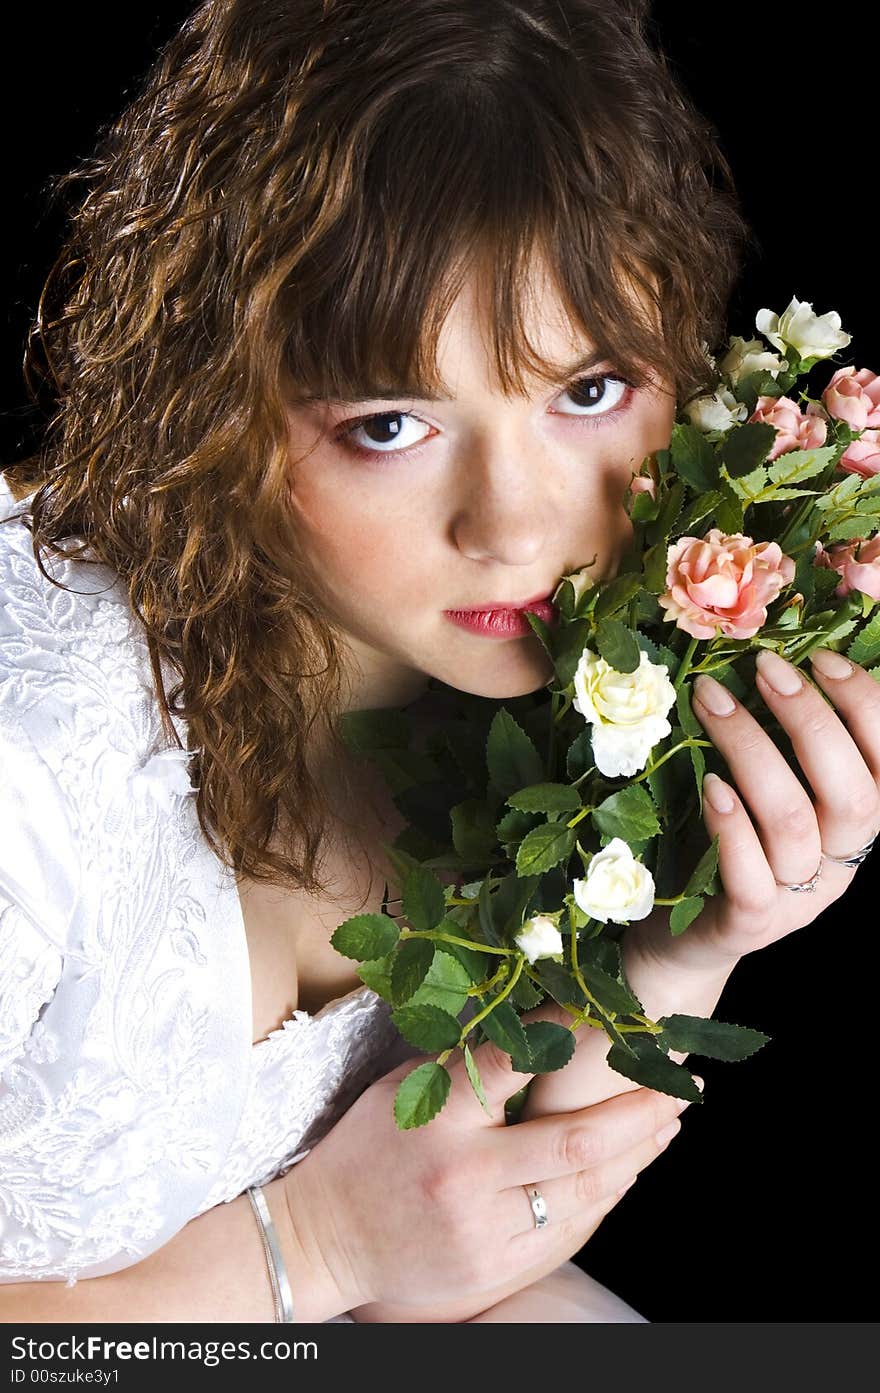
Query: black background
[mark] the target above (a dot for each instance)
(763, 1208)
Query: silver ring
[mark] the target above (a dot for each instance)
(857, 857)
(539, 1205)
(803, 887)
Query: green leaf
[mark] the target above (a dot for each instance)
(551, 1045)
(643, 508)
(366, 936)
(684, 913)
(865, 647)
(512, 759)
(746, 447)
(700, 508)
(750, 485)
(654, 572)
(571, 641)
(689, 722)
(509, 901)
(729, 512)
(648, 1066)
(473, 830)
(421, 1095)
(617, 645)
(580, 754)
(542, 630)
(629, 814)
(513, 826)
(698, 764)
(671, 504)
(714, 1039)
(450, 977)
(559, 982)
(617, 593)
(704, 869)
(423, 901)
(693, 458)
(794, 466)
(546, 798)
(505, 1029)
(544, 847)
(611, 995)
(410, 967)
(428, 1027)
(473, 1074)
(658, 653)
(525, 995)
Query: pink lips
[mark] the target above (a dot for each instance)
(509, 622)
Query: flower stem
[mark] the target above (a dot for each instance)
(682, 745)
(475, 1020)
(685, 664)
(451, 938)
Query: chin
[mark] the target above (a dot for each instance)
(501, 681)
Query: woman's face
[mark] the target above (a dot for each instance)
(410, 507)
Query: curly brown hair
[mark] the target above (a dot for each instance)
(289, 205)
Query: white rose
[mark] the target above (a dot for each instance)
(750, 355)
(616, 886)
(581, 580)
(539, 938)
(626, 709)
(810, 335)
(719, 411)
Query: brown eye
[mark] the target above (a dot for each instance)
(597, 396)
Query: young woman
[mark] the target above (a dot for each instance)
(367, 315)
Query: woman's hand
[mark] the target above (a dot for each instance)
(433, 1223)
(687, 974)
(773, 833)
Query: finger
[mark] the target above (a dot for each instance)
(749, 884)
(789, 831)
(577, 1197)
(546, 1148)
(856, 695)
(847, 807)
(499, 1078)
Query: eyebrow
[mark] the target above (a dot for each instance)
(580, 365)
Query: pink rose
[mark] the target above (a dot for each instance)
(795, 429)
(857, 561)
(724, 582)
(862, 456)
(641, 483)
(854, 397)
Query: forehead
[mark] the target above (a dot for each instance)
(465, 341)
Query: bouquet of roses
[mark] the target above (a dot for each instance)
(561, 816)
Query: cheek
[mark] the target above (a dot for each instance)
(348, 542)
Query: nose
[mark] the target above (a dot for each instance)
(503, 512)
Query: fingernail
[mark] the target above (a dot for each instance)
(831, 664)
(717, 794)
(667, 1133)
(713, 695)
(781, 676)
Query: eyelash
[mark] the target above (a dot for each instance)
(349, 427)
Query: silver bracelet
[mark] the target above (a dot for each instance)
(281, 1293)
